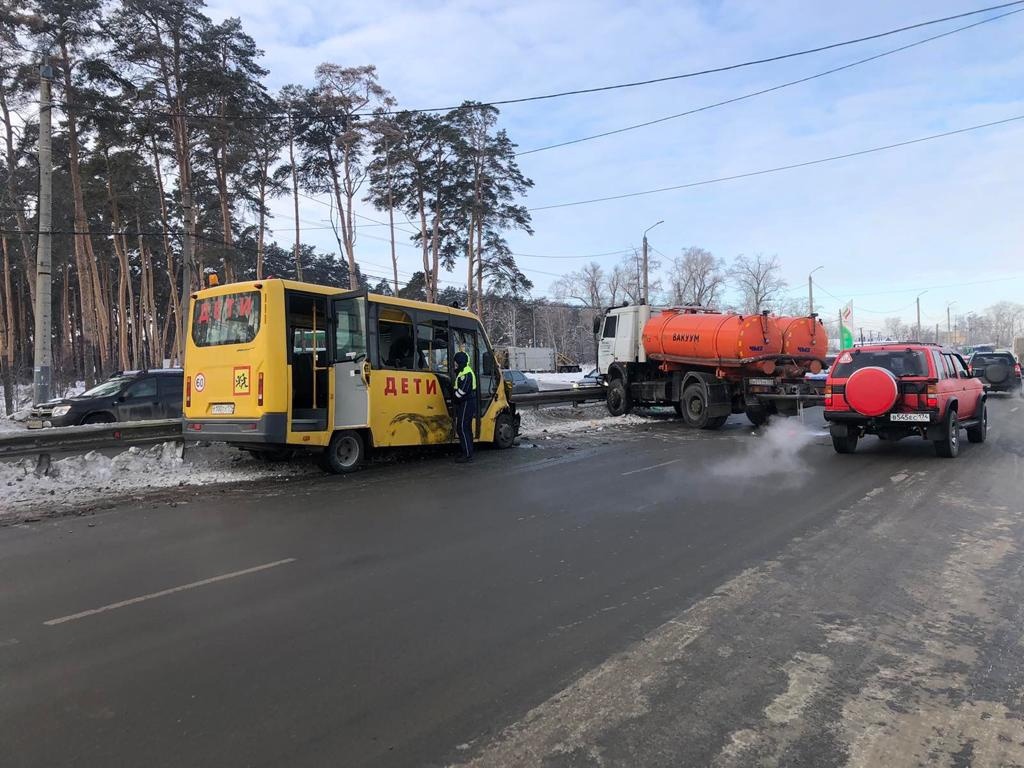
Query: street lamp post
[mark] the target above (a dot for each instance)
(645, 297)
(949, 322)
(810, 290)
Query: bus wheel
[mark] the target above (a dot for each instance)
(504, 431)
(345, 453)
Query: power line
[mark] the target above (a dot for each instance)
(777, 169)
(763, 91)
(616, 86)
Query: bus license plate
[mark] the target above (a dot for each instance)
(222, 409)
(909, 417)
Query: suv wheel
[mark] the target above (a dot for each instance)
(846, 443)
(979, 432)
(948, 446)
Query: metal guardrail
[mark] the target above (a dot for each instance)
(89, 437)
(551, 396)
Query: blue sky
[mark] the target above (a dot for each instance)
(887, 226)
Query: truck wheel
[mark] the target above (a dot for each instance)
(345, 453)
(845, 443)
(504, 431)
(717, 422)
(948, 446)
(695, 407)
(619, 401)
(757, 416)
(977, 434)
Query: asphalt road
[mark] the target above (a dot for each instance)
(642, 595)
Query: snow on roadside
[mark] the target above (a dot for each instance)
(91, 477)
(538, 423)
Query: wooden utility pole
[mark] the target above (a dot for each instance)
(42, 366)
(188, 263)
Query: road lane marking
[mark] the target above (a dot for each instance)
(165, 592)
(655, 466)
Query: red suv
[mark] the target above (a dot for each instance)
(898, 390)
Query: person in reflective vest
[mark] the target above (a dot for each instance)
(465, 405)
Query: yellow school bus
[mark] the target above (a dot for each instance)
(273, 366)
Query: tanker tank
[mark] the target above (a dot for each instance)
(804, 337)
(714, 339)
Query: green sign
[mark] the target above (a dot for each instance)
(845, 337)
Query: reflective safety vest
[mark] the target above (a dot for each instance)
(460, 385)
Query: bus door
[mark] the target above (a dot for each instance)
(409, 404)
(351, 367)
(307, 359)
(468, 337)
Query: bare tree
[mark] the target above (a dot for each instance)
(758, 280)
(586, 285)
(697, 278)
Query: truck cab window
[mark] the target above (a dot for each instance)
(609, 327)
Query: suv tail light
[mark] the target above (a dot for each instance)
(188, 391)
(1016, 369)
(933, 396)
(828, 396)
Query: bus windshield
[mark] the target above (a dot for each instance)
(233, 318)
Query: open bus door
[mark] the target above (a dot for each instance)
(348, 347)
(306, 329)
(468, 337)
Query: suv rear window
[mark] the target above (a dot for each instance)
(990, 359)
(901, 362)
(233, 318)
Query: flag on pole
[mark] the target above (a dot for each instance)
(845, 326)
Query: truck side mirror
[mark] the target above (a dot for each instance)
(597, 325)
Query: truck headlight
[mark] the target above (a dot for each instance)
(61, 410)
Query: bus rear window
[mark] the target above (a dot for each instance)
(233, 318)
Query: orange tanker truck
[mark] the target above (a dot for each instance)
(709, 364)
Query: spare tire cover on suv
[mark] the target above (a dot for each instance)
(997, 372)
(871, 391)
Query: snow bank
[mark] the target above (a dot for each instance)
(538, 423)
(80, 480)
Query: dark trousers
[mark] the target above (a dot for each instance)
(465, 412)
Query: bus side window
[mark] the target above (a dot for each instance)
(432, 345)
(395, 340)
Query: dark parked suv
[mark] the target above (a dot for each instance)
(131, 396)
(999, 370)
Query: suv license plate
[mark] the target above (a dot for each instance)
(34, 423)
(222, 409)
(910, 417)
